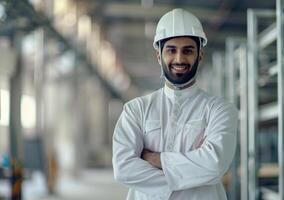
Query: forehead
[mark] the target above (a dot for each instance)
(181, 42)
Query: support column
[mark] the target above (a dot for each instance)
(253, 106)
(280, 63)
(16, 144)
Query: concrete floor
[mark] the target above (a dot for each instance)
(95, 184)
(88, 185)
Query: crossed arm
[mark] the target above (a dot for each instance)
(140, 168)
(152, 157)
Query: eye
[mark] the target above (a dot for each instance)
(188, 51)
(171, 50)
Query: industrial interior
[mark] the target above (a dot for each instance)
(67, 67)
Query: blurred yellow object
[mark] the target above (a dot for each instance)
(52, 172)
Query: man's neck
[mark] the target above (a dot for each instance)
(184, 87)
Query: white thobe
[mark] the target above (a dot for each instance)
(196, 135)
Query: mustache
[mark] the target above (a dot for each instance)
(180, 65)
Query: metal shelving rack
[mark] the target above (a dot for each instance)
(272, 111)
(280, 80)
(237, 85)
(235, 77)
(243, 88)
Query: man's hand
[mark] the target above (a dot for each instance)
(152, 157)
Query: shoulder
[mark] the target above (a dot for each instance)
(139, 103)
(218, 103)
(144, 100)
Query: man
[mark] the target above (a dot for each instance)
(177, 142)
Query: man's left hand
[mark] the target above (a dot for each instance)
(152, 157)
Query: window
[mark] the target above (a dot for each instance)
(4, 107)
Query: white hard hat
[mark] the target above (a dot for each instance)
(179, 22)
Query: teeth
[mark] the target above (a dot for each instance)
(179, 67)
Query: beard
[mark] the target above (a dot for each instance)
(180, 78)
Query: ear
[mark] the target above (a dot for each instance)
(201, 55)
(158, 56)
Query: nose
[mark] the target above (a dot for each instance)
(180, 57)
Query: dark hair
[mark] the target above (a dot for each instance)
(196, 39)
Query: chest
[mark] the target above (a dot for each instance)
(175, 127)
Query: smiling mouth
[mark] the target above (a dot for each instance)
(178, 69)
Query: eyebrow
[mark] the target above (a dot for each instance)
(185, 47)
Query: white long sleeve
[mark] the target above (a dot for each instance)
(129, 168)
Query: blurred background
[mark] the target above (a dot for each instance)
(68, 66)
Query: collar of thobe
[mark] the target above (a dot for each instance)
(180, 94)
